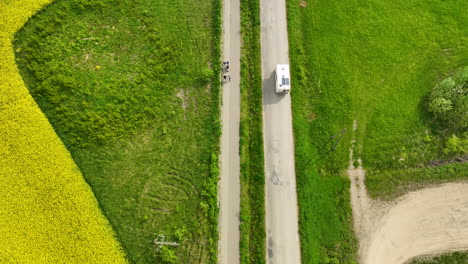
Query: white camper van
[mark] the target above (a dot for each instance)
(282, 79)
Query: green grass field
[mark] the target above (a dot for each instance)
(128, 86)
(375, 62)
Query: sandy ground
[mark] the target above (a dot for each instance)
(280, 179)
(424, 222)
(229, 183)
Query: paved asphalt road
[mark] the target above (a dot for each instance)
(229, 184)
(280, 179)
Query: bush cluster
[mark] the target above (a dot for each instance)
(456, 145)
(48, 213)
(448, 100)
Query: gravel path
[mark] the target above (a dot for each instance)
(229, 183)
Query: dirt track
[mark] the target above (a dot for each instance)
(428, 221)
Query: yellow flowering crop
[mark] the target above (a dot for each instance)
(48, 214)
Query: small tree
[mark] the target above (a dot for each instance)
(449, 100)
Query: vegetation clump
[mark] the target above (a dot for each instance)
(448, 100)
(456, 145)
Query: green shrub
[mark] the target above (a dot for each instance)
(449, 100)
(207, 75)
(456, 145)
(167, 256)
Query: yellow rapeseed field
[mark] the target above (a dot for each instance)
(48, 214)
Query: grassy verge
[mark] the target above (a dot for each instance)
(252, 244)
(321, 109)
(389, 184)
(449, 258)
(130, 88)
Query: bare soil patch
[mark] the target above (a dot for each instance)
(429, 221)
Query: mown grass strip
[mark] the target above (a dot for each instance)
(131, 88)
(252, 227)
(389, 184)
(48, 213)
(448, 258)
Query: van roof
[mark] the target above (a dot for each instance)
(283, 69)
(282, 77)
